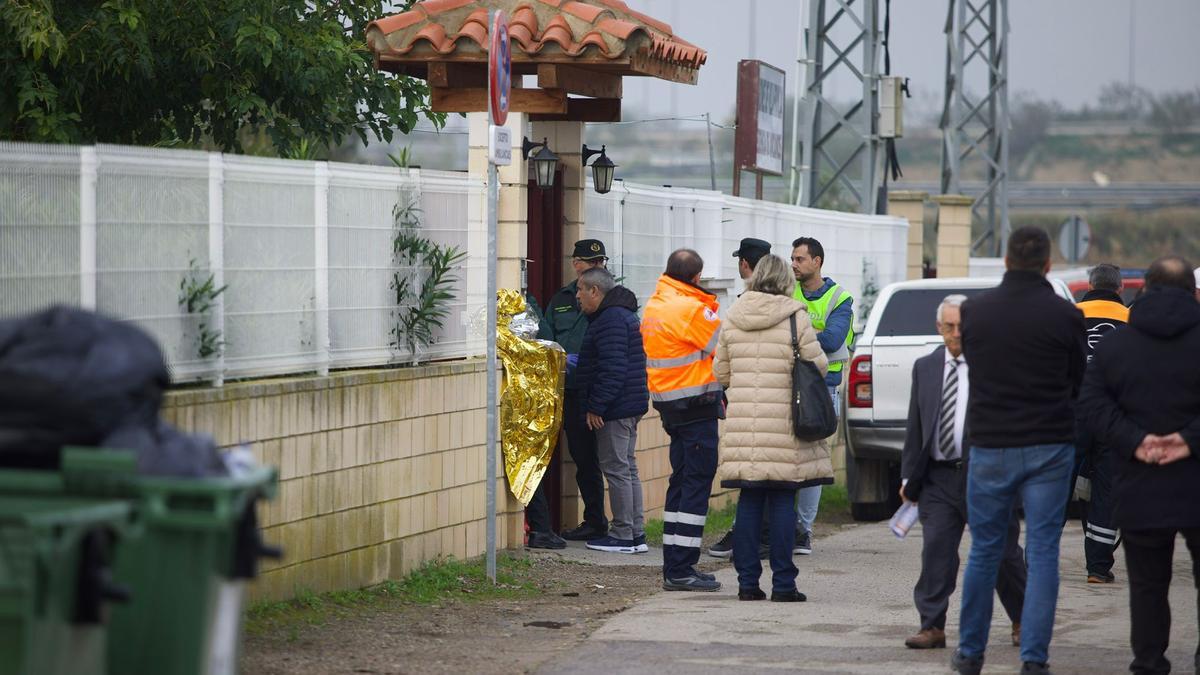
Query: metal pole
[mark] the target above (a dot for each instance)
(797, 98)
(493, 196)
(493, 191)
(712, 161)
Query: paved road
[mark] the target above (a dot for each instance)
(859, 584)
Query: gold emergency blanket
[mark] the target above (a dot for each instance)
(531, 398)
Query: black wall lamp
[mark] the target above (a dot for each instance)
(544, 162)
(602, 168)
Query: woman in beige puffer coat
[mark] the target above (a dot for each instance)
(758, 452)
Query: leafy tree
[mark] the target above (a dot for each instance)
(1173, 112)
(188, 71)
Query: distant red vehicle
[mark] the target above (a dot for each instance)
(1134, 280)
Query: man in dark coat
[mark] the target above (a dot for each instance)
(1025, 348)
(1142, 395)
(612, 381)
(933, 471)
(564, 323)
(1103, 313)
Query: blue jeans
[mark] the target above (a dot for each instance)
(780, 509)
(1040, 476)
(809, 498)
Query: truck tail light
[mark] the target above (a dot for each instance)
(860, 382)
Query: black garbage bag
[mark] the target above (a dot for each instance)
(73, 377)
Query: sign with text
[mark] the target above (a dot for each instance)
(758, 143)
(499, 145)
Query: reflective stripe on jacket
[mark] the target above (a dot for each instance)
(818, 313)
(680, 329)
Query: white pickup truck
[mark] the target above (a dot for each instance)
(899, 331)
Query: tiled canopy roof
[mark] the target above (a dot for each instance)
(605, 34)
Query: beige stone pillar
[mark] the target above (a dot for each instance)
(954, 235)
(566, 140)
(910, 205)
(513, 207)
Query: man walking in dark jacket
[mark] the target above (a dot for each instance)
(1142, 394)
(565, 324)
(1025, 349)
(1103, 312)
(612, 380)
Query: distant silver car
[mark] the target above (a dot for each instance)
(899, 331)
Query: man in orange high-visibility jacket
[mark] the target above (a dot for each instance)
(679, 331)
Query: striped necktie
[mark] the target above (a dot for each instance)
(949, 408)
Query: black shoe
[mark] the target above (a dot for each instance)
(639, 543)
(723, 548)
(545, 540)
(788, 596)
(691, 583)
(703, 575)
(1034, 668)
(584, 532)
(965, 665)
(751, 594)
(803, 543)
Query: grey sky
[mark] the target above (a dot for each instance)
(1060, 49)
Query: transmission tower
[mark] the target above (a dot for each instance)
(842, 153)
(975, 129)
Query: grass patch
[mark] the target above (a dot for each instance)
(718, 521)
(834, 498)
(436, 581)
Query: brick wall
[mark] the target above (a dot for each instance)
(379, 470)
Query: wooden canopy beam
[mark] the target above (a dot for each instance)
(457, 75)
(585, 82)
(585, 110)
(475, 99)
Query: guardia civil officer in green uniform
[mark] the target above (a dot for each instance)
(565, 324)
(830, 308)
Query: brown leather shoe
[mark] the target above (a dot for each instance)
(930, 638)
(1016, 635)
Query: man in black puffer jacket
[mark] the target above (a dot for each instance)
(1142, 395)
(611, 376)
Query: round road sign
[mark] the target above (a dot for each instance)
(499, 69)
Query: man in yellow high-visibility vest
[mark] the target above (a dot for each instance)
(832, 311)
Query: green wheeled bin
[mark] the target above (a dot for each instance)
(196, 544)
(55, 581)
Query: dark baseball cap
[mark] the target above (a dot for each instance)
(752, 248)
(589, 249)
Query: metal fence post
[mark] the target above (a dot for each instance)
(87, 228)
(216, 255)
(321, 248)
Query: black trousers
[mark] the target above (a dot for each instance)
(1099, 530)
(581, 442)
(1148, 558)
(538, 511)
(942, 510)
(693, 467)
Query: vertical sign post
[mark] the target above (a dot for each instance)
(499, 153)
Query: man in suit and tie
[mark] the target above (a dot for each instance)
(934, 474)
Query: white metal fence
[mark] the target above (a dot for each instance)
(305, 248)
(642, 225)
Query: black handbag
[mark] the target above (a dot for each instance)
(813, 416)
